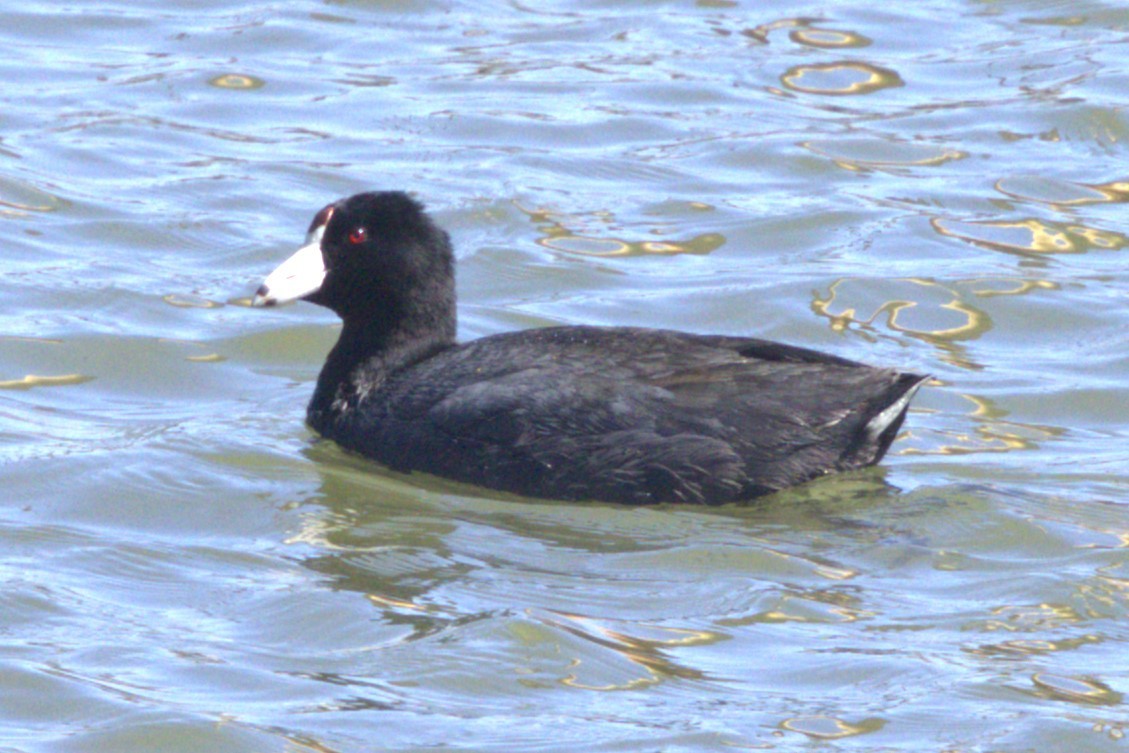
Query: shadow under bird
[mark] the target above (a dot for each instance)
(618, 414)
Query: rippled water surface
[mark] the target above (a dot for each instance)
(939, 186)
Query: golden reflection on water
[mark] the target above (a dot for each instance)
(972, 323)
(990, 434)
(857, 155)
(1061, 193)
(760, 33)
(812, 606)
(645, 651)
(19, 198)
(828, 38)
(975, 322)
(1076, 689)
(991, 431)
(1031, 617)
(1032, 647)
(558, 235)
(38, 380)
(33, 380)
(1106, 593)
(841, 78)
(1022, 287)
(829, 727)
(804, 32)
(1030, 236)
(209, 357)
(818, 567)
(237, 81)
(1117, 191)
(387, 602)
(190, 301)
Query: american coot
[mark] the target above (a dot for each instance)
(619, 414)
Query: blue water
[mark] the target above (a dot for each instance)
(936, 186)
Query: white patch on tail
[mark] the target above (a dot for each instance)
(890, 413)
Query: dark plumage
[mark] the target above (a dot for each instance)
(619, 414)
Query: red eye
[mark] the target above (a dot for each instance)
(359, 235)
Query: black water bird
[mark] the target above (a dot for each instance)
(618, 414)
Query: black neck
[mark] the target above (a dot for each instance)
(367, 353)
